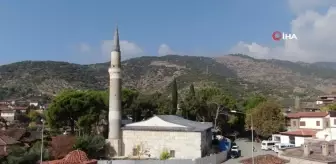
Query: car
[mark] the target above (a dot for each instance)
(268, 145)
(235, 151)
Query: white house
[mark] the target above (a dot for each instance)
(182, 138)
(8, 114)
(304, 125)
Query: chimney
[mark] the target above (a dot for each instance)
(325, 149)
(306, 149)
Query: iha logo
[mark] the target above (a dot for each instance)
(277, 36)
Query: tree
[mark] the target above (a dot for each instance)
(35, 116)
(254, 101)
(76, 107)
(129, 97)
(267, 118)
(93, 146)
(192, 90)
(330, 107)
(22, 155)
(174, 97)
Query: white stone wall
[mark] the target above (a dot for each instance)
(311, 123)
(187, 145)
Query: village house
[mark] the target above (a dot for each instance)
(24, 136)
(304, 125)
(167, 133)
(325, 99)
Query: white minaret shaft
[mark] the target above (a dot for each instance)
(115, 91)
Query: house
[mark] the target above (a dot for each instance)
(21, 135)
(8, 114)
(168, 132)
(5, 143)
(303, 125)
(325, 99)
(311, 152)
(35, 104)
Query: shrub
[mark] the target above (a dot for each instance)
(93, 146)
(164, 155)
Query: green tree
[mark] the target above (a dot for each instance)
(22, 155)
(330, 107)
(129, 98)
(254, 101)
(76, 107)
(174, 97)
(35, 116)
(192, 90)
(267, 118)
(92, 145)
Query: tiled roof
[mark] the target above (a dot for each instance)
(307, 114)
(74, 157)
(301, 132)
(6, 140)
(16, 133)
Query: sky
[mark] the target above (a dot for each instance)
(81, 31)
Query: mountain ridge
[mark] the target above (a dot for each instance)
(238, 74)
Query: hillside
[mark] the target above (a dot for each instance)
(237, 74)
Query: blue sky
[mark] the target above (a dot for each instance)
(55, 30)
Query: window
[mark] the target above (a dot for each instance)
(334, 121)
(135, 151)
(294, 123)
(172, 153)
(327, 124)
(302, 123)
(317, 123)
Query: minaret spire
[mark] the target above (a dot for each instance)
(116, 41)
(115, 110)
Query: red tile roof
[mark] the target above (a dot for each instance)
(74, 157)
(301, 132)
(307, 114)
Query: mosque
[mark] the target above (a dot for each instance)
(182, 138)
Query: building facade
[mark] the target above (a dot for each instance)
(183, 139)
(305, 125)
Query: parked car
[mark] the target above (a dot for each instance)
(235, 151)
(281, 146)
(267, 145)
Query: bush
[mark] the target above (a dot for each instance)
(20, 155)
(93, 146)
(164, 155)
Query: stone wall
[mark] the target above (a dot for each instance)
(187, 145)
(293, 160)
(213, 159)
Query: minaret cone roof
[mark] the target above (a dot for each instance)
(116, 41)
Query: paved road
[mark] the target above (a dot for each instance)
(246, 151)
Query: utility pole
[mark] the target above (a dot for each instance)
(252, 129)
(41, 160)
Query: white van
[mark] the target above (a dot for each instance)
(282, 146)
(268, 145)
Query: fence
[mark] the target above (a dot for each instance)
(213, 159)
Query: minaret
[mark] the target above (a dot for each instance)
(114, 135)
